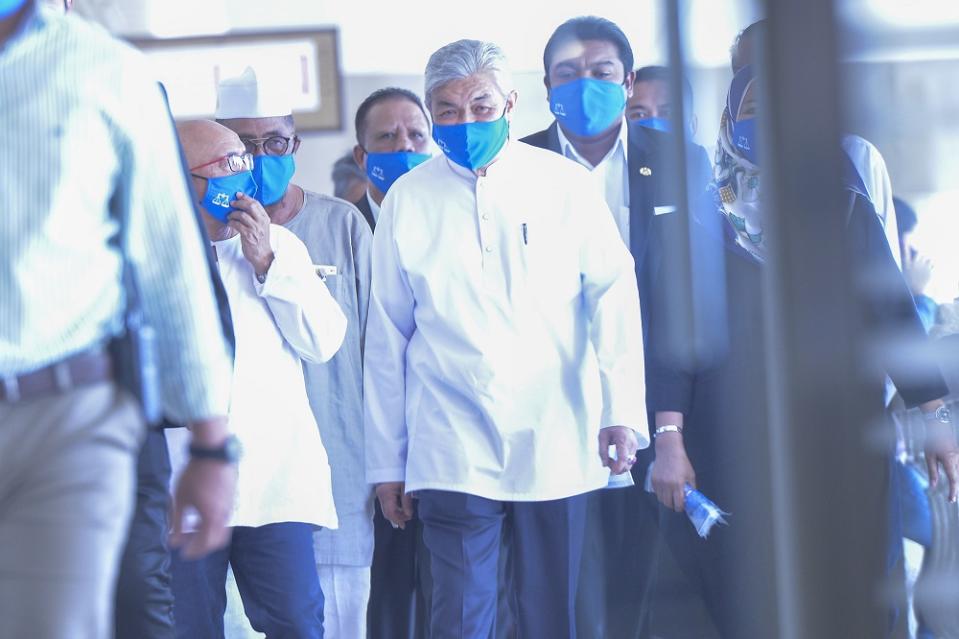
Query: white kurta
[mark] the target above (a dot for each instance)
(283, 474)
(504, 330)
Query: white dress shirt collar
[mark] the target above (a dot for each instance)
(611, 175)
(570, 151)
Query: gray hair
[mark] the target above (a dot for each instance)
(345, 172)
(464, 58)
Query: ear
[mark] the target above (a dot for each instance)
(200, 186)
(693, 125)
(546, 84)
(629, 82)
(511, 102)
(359, 156)
(296, 143)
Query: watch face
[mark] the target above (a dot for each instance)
(944, 415)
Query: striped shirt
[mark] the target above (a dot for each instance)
(88, 142)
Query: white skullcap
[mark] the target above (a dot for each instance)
(246, 97)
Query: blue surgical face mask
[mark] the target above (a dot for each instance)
(745, 140)
(220, 191)
(587, 107)
(9, 7)
(385, 168)
(660, 124)
(273, 174)
(472, 145)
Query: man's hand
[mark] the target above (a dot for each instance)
(626, 445)
(396, 505)
(253, 224)
(941, 448)
(207, 486)
(672, 471)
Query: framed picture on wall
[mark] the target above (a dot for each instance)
(307, 62)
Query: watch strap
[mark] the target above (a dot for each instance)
(942, 415)
(227, 452)
(668, 428)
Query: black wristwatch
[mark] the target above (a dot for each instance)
(942, 415)
(228, 452)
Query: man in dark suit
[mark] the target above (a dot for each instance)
(588, 64)
(392, 137)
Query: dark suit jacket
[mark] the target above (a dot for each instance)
(363, 204)
(650, 186)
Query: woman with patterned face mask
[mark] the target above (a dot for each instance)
(737, 164)
(712, 414)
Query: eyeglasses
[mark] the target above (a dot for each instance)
(236, 162)
(273, 145)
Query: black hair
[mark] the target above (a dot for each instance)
(662, 74)
(382, 95)
(589, 28)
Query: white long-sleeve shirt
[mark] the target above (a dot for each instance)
(504, 330)
(90, 144)
(283, 473)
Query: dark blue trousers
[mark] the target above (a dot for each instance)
(399, 578)
(144, 603)
(276, 575)
(464, 534)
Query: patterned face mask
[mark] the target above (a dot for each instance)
(740, 202)
(737, 176)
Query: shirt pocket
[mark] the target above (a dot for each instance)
(552, 261)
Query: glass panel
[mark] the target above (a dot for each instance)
(900, 62)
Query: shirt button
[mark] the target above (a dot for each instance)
(485, 216)
(489, 249)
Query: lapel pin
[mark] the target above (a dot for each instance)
(645, 170)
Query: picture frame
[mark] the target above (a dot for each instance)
(307, 61)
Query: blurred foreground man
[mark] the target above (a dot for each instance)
(339, 242)
(104, 172)
(504, 354)
(392, 137)
(282, 314)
